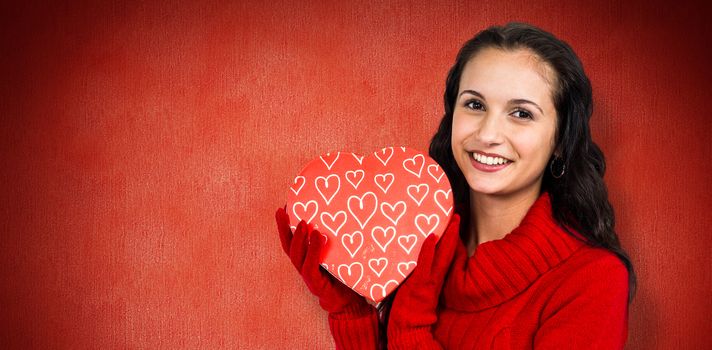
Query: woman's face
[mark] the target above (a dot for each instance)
(504, 122)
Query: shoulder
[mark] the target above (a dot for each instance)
(591, 275)
(587, 303)
(594, 261)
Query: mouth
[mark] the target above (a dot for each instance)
(489, 159)
(488, 162)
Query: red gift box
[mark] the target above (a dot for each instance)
(375, 212)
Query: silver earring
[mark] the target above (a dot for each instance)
(563, 167)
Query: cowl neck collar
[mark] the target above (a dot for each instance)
(500, 269)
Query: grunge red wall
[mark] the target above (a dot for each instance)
(145, 146)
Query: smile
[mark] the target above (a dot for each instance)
(488, 163)
(488, 160)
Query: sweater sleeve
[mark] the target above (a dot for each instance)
(590, 308)
(355, 329)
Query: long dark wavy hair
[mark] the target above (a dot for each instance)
(579, 198)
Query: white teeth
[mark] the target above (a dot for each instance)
(489, 160)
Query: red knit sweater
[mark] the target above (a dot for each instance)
(538, 287)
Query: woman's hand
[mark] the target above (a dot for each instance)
(414, 308)
(304, 248)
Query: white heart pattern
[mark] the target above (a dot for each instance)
(375, 211)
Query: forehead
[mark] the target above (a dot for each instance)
(509, 74)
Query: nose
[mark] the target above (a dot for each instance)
(490, 130)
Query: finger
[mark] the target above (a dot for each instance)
(451, 236)
(310, 226)
(427, 252)
(460, 250)
(311, 270)
(298, 248)
(447, 245)
(285, 232)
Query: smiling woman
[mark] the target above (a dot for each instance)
(537, 262)
(544, 267)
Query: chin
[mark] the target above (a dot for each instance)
(484, 187)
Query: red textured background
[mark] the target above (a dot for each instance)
(144, 148)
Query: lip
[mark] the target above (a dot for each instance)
(487, 168)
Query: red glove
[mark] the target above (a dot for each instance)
(304, 249)
(414, 308)
(353, 322)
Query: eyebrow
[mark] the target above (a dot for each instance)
(515, 101)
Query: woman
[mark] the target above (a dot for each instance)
(536, 263)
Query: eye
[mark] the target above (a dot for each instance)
(474, 104)
(523, 114)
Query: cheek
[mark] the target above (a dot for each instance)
(536, 146)
(459, 133)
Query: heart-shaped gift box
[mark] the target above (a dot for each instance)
(375, 211)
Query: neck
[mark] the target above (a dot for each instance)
(494, 216)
